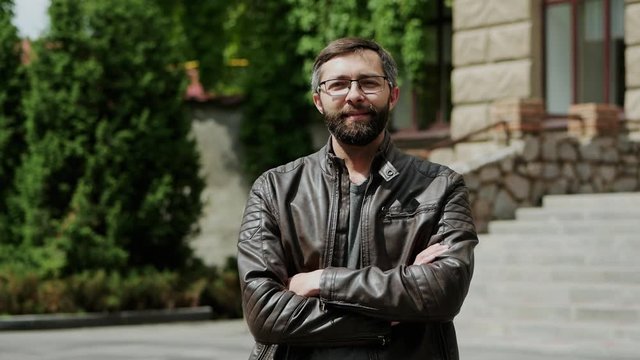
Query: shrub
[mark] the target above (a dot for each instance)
(103, 291)
(19, 293)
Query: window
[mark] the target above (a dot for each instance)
(422, 106)
(584, 52)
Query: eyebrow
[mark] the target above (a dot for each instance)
(360, 76)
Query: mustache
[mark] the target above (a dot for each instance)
(370, 109)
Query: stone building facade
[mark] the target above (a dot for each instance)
(495, 47)
(498, 54)
(632, 61)
(510, 150)
(497, 78)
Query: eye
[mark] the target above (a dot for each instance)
(369, 83)
(337, 84)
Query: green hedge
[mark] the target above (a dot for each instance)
(102, 291)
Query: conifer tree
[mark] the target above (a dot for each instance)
(11, 118)
(111, 178)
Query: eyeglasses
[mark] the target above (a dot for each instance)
(341, 87)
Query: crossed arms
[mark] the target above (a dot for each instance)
(336, 306)
(308, 284)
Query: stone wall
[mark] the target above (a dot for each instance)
(632, 54)
(494, 46)
(215, 128)
(552, 163)
(216, 131)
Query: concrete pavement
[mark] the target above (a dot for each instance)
(199, 340)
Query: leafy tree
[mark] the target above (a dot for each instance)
(276, 111)
(281, 39)
(11, 118)
(399, 26)
(200, 25)
(110, 179)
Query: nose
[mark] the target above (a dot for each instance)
(355, 94)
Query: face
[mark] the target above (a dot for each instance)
(355, 118)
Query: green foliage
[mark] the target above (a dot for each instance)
(223, 292)
(11, 117)
(201, 24)
(110, 179)
(399, 26)
(281, 39)
(276, 112)
(27, 292)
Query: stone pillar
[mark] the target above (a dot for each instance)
(522, 116)
(593, 119)
(494, 43)
(632, 55)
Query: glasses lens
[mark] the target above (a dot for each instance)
(368, 85)
(337, 87)
(371, 85)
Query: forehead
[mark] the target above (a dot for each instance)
(366, 62)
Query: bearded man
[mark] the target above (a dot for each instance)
(358, 251)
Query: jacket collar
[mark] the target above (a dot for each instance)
(381, 162)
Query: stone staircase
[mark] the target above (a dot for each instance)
(560, 280)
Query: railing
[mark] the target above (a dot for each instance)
(551, 123)
(447, 143)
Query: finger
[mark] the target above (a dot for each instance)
(427, 257)
(434, 249)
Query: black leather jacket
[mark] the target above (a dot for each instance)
(296, 220)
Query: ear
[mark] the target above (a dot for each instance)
(318, 102)
(393, 97)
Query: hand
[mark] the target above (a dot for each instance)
(306, 284)
(430, 253)
(426, 256)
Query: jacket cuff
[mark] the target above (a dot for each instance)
(327, 280)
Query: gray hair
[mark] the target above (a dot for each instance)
(353, 45)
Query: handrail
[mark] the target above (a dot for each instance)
(551, 122)
(452, 142)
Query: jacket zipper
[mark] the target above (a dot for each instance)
(333, 220)
(364, 226)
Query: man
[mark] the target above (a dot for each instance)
(357, 251)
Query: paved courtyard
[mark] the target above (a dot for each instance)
(200, 340)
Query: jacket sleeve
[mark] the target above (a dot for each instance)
(276, 315)
(430, 292)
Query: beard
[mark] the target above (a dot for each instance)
(358, 133)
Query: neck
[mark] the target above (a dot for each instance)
(357, 159)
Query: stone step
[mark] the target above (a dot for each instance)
(603, 200)
(607, 315)
(546, 227)
(559, 274)
(560, 242)
(583, 213)
(495, 294)
(552, 337)
(589, 250)
(563, 279)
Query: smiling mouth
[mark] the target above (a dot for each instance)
(356, 115)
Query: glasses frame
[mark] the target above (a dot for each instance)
(320, 85)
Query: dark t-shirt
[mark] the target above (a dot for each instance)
(355, 207)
